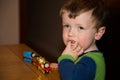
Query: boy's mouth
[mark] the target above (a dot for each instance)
(72, 41)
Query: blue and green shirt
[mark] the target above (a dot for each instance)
(89, 66)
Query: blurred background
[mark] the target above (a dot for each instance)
(37, 24)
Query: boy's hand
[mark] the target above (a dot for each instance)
(54, 65)
(74, 49)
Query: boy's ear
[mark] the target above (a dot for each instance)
(100, 33)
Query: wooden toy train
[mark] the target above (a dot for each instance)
(40, 62)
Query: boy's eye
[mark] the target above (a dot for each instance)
(66, 26)
(80, 27)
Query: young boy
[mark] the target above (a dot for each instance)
(82, 22)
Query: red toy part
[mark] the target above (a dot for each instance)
(45, 67)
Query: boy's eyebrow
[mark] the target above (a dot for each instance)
(78, 24)
(64, 22)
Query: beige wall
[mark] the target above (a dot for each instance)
(9, 22)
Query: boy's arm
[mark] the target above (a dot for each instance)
(83, 70)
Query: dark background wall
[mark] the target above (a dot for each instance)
(110, 42)
(44, 27)
(40, 28)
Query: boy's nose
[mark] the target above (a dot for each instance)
(71, 32)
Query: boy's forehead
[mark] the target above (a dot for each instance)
(84, 17)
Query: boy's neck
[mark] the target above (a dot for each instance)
(91, 49)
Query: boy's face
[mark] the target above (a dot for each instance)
(80, 29)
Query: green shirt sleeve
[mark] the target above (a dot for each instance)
(65, 56)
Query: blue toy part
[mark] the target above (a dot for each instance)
(27, 54)
(27, 60)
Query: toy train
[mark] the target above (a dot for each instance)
(39, 61)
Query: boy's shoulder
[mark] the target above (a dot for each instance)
(94, 55)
